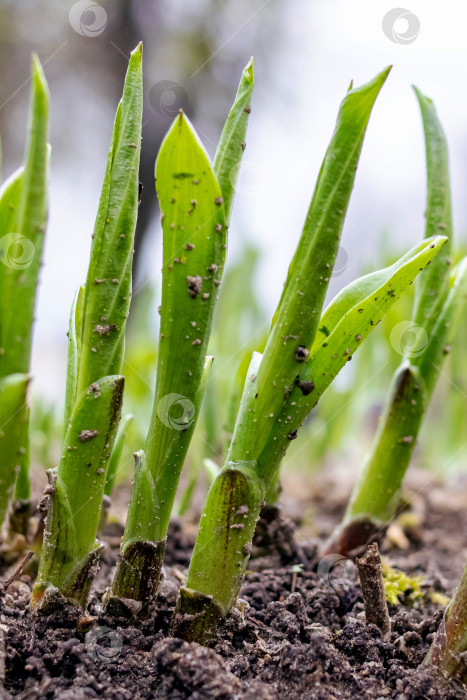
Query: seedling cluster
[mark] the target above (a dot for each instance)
(306, 348)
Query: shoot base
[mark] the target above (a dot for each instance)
(139, 570)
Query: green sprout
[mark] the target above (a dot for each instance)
(440, 298)
(94, 390)
(267, 400)
(447, 654)
(196, 199)
(23, 219)
(305, 351)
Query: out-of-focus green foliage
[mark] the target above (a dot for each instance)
(23, 220)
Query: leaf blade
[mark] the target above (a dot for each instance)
(432, 287)
(194, 242)
(108, 285)
(343, 340)
(12, 418)
(27, 193)
(229, 152)
(296, 320)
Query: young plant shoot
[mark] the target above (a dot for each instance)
(94, 389)
(440, 297)
(23, 219)
(303, 354)
(196, 201)
(448, 651)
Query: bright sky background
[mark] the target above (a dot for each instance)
(324, 44)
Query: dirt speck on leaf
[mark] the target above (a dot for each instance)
(87, 435)
(195, 282)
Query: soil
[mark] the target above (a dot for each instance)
(302, 635)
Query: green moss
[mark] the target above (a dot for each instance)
(399, 585)
(439, 598)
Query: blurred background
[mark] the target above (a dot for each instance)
(305, 55)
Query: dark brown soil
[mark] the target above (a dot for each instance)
(302, 636)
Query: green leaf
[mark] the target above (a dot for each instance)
(296, 320)
(439, 299)
(74, 353)
(375, 495)
(236, 487)
(211, 468)
(77, 485)
(10, 194)
(432, 287)
(12, 435)
(108, 285)
(143, 502)
(229, 153)
(194, 241)
(223, 542)
(95, 356)
(22, 492)
(140, 562)
(345, 324)
(23, 218)
(117, 453)
(444, 330)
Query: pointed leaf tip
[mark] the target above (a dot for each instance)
(38, 77)
(379, 80)
(137, 54)
(248, 71)
(421, 97)
(386, 71)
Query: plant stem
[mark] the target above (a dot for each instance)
(376, 492)
(372, 584)
(70, 550)
(447, 653)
